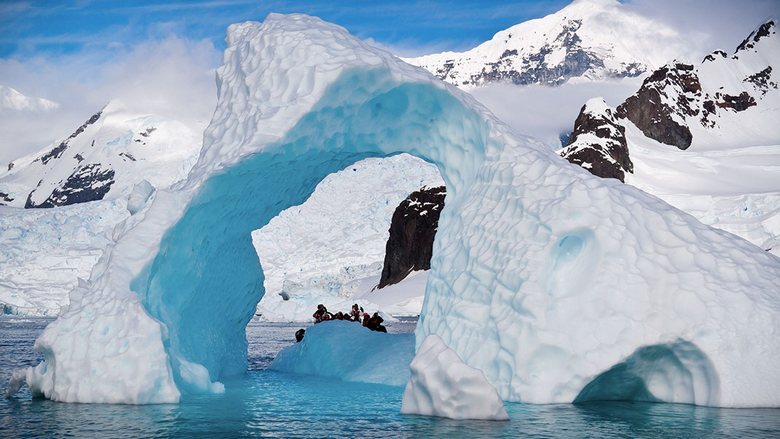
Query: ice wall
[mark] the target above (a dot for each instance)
(543, 277)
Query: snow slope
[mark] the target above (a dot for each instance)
(544, 277)
(588, 39)
(322, 250)
(734, 189)
(106, 157)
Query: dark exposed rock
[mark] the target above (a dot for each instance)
(79, 157)
(762, 80)
(412, 231)
(598, 144)
(10, 166)
(5, 198)
(127, 155)
(764, 30)
(670, 91)
(57, 151)
(148, 131)
(87, 183)
(736, 103)
(445, 69)
(714, 55)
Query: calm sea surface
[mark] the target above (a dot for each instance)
(265, 403)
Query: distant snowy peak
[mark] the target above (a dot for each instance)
(590, 39)
(725, 100)
(112, 151)
(13, 100)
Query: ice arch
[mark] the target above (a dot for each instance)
(543, 276)
(206, 265)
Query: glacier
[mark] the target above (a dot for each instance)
(544, 278)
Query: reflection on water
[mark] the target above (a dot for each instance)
(266, 403)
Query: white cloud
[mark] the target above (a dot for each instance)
(12, 100)
(546, 112)
(709, 25)
(173, 77)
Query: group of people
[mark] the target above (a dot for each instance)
(356, 314)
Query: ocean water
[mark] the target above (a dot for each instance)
(264, 403)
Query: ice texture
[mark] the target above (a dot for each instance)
(442, 385)
(350, 352)
(43, 252)
(543, 277)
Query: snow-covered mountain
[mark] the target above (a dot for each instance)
(589, 39)
(13, 100)
(105, 157)
(722, 114)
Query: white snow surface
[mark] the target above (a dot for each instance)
(323, 250)
(543, 276)
(735, 189)
(442, 385)
(13, 100)
(623, 40)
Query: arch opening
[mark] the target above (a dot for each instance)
(205, 281)
(677, 372)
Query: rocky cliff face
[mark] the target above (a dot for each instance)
(660, 107)
(412, 231)
(598, 142)
(679, 100)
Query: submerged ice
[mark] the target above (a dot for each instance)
(555, 284)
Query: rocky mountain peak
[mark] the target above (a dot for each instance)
(598, 142)
(766, 30)
(666, 98)
(576, 42)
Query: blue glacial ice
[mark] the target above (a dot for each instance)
(544, 278)
(348, 351)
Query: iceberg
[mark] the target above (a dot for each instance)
(348, 351)
(543, 277)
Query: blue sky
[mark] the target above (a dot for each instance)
(159, 57)
(29, 28)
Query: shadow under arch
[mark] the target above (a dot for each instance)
(206, 280)
(677, 372)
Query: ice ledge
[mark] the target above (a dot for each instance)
(443, 385)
